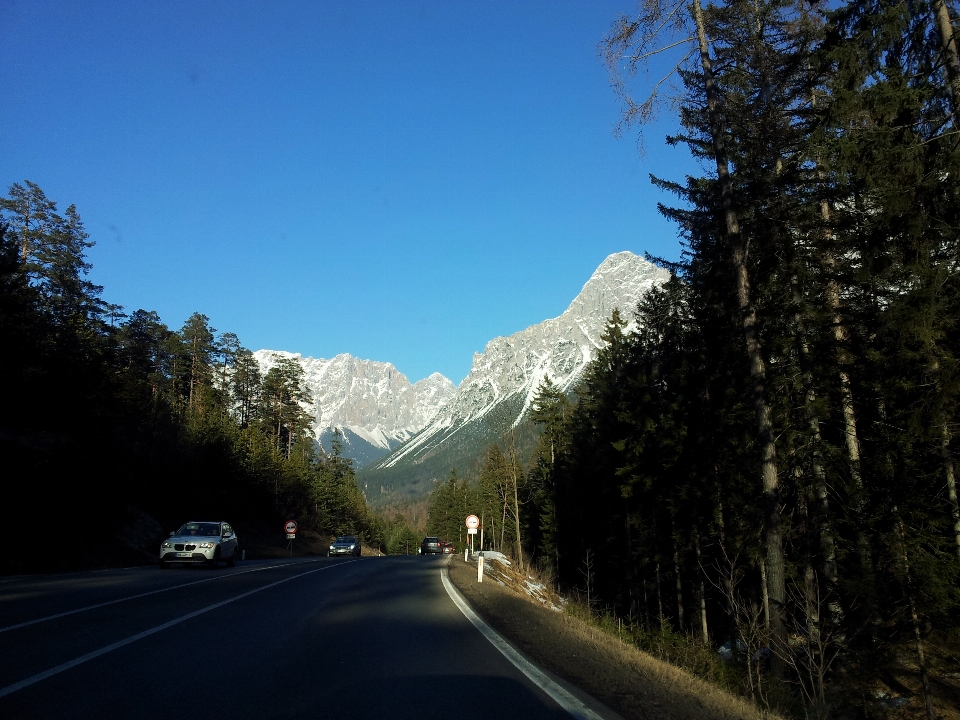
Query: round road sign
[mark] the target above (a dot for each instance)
(473, 521)
(290, 527)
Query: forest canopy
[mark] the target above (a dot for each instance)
(767, 462)
(105, 410)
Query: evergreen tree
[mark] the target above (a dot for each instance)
(282, 398)
(246, 384)
(549, 410)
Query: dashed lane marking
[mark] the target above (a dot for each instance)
(9, 689)
(144, 594)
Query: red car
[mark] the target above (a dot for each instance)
(446, 548)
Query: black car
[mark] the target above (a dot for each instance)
(431, 546)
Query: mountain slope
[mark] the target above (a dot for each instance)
(503, 380)
(374, 404)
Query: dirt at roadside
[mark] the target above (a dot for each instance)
(630, 682)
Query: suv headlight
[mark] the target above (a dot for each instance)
(352, 547)
(167, 544)
(207, 544)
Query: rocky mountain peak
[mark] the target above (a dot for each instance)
(504, 378)
(371, 402)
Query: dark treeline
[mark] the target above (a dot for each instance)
(769, 458)
(496, 497)
(102, 411)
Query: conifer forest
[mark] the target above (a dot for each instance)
(764, 461)
(760, 462)
(104, 410)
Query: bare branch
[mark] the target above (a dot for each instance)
(640, 58)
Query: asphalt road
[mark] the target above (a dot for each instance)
(325, 638)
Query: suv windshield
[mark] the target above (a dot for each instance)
(346, 539)
(200, 529)
(432, 541)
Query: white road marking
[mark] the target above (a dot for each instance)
(561, 696)
(152, 631)
(145, 594)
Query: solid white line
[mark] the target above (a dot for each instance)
(145, 594)
(562, 697)
(147, 633)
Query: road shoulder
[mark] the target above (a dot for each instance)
(632, 683)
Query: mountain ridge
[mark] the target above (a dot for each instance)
(371, 402)
(410, 434)
(503, 380)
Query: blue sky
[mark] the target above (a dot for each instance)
(402, 181)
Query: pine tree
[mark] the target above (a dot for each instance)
(549, 410)
(246, 385)
(199, 348)
(283, 397)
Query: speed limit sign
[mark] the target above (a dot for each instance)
(473, 522)
(290, 527)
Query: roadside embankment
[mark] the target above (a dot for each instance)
(629, 681)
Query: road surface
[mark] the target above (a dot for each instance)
(322, 638)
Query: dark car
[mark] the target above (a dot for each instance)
(446, 547)
(431, 546)
(345, 545)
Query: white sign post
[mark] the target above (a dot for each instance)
(290, 528)
(480, 559)
(473, 522)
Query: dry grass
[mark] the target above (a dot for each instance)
(628, 680)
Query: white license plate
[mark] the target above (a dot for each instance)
(184, 554)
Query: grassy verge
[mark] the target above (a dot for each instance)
(584, 651)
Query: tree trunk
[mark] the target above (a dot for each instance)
(765, 594)
(948, 45)
(810, 590)
(775, 587)
(840, 336)
(503, 525)
(516, 514)
(851, 436)
(915, 618)
(659, 594)
(728, 575)
(703, 594)
(679, 584)
(951, 484)
(827, 541)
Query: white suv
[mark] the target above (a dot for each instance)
(201, 543)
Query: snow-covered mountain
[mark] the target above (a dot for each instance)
(504, 378)
(374, 404)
